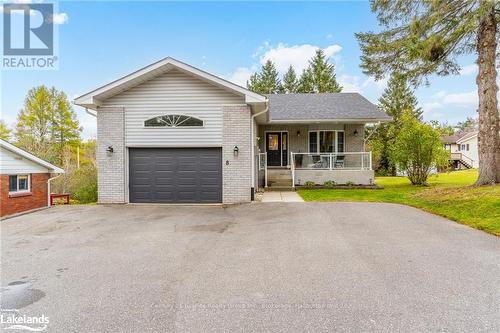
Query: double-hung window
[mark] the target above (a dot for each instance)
(19, 183)
(326, 142)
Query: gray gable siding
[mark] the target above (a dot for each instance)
(174, 93)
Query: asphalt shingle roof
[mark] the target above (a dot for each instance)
(324, 106)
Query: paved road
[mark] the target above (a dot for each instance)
(279, 267)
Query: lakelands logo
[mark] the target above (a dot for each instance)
(13, 320)
(28, 36)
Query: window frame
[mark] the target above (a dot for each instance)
(18, 191)
(318, 145)
(178, 114)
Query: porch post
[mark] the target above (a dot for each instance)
(362, 162)
(293, 170)
(370, 160)
(331, 159)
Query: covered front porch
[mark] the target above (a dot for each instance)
(291, 155)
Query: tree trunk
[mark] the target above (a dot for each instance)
(489, 142)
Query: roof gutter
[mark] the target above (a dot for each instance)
(253, 145)
(91, 113)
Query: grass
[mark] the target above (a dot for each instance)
(448, 194)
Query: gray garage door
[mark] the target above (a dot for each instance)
(175, 175)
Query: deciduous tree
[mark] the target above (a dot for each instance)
(417, 149)
(4, 131)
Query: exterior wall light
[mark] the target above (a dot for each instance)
(355, 132)
(236, 150)
(298, 133)
(110, 151)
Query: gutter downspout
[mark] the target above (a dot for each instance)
(90, 112)
(252, 195)
(48, 188)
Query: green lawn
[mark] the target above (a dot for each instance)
(448, 194)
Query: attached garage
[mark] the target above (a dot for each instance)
(175, 175)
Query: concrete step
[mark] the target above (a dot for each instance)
(279, 174)
(281, 183)
(279, 188)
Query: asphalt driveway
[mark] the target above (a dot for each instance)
(280, 267)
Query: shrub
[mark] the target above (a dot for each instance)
(418, 148)
(330, 183)
(349, 183)
(309, 183)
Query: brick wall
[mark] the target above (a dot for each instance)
(236, 170)
(37, 198)
(111, 169)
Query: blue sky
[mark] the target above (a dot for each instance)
(101, 41)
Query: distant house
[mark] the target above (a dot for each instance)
(463, 150)
(24, 180)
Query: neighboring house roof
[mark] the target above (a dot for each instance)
(23, 153)
(450, 139)
(459, 137)
(94, 98)
(467, 136)
(323, 107)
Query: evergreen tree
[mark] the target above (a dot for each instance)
(320, 75)
(420, 38)
(306, 84)
(290, 81)
(267, 81)
(46, 124)
(396, 99)
(4, 131)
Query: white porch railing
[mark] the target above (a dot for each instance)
(332, 161)
(262, 166)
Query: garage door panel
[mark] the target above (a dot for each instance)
(175, 175)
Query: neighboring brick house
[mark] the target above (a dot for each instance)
(172, 133)
(24, 180)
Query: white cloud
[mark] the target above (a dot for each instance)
(240, 76)
(469, 69)
(466, 99)
(59, 18)
(297, 56)
(283, 56)
(431, 106)
(350, 83)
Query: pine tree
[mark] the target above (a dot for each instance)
(420, 38)
(396, 99)
(320, 75)
(4, 131)
(290, 81)
(267, 81)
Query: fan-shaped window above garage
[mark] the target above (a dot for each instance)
(174, 120)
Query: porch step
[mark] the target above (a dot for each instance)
(279, 183)
(279, 188)
(278, 174)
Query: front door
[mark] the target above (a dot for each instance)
(277, 148)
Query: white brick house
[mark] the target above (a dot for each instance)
(171, 133)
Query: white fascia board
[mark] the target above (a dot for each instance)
(23, 153)
(91, 96)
